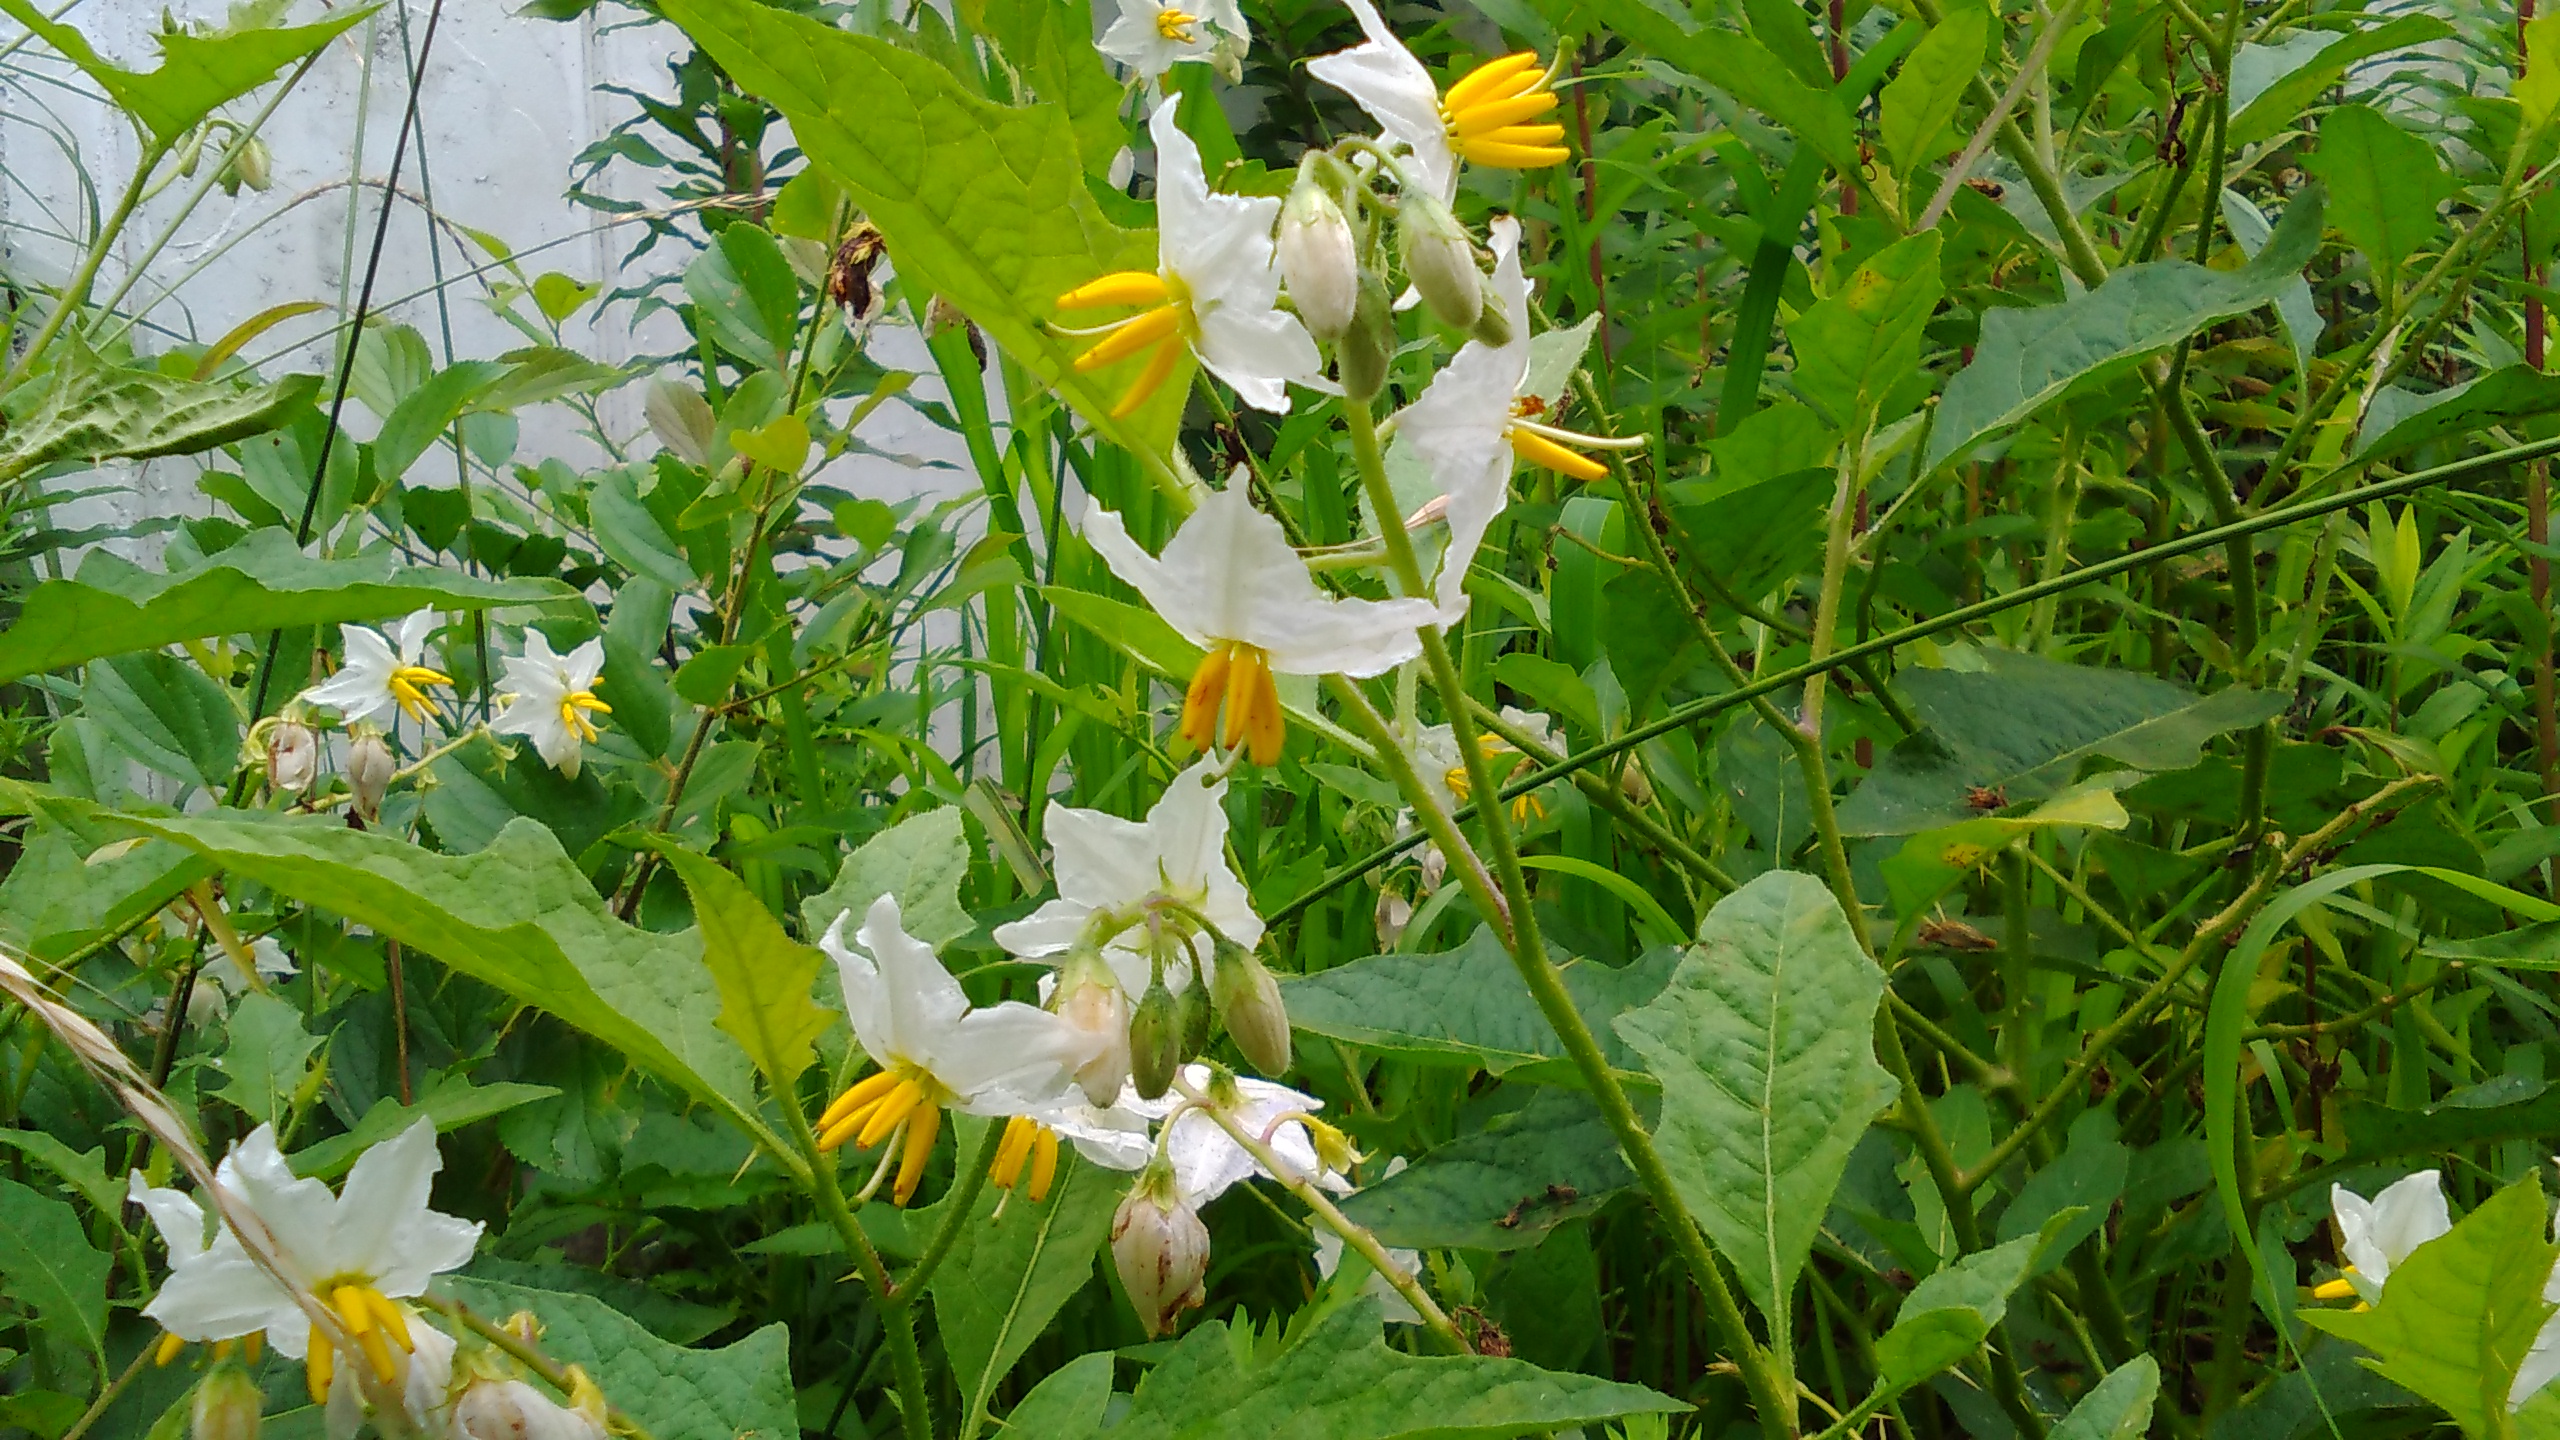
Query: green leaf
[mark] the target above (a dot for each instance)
(1008, 1275)
(2119, 1408)
(2459, 1313)
(1764, 1044)
(2089, 1177)
(1920, 101)
(63, 894)
(2020, 728)
(2384, 186)
(268, 1052)
(167, 714)
(48, 1265)
(1068, 1402)
(428, 412)
(2025, 358)
(764, 975)
(85, 1171)
(628, 531)
(198, 74)
(1865, 338)
(264, 582)
(1340, 1382)
(2537, 90)
(2271, 84)
(90, 410)
(1726, 59)
(1948, 1315)
(983, 204)
(2398, 422)
(922, 860)
(450, 1100)
(1470, 1006)
(739, 1390)
(1504, 1187)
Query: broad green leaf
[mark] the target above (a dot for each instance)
(2398, 422)
(628, 531)
(517, 915)
(63, 894)
(263, 583)
(1339, 1381)
(1469, 1006)
(764, 975)
(2271, 84)
(739, 1390)
(1764, 1045)
(1068, 1403)
(1503, 1187)
(48, 1265)
(92, 410)
(166, 713)
(198, 74)
(2537, 90)
(1008, 1274)
(2025, 358)
(984, 205)
(1920, 101)
(922, 860)
(1726, 59)
(85, 1171)
(450, 1100)
(1787, 30)
(428, 412)
(2459, 1313)
(2119, 1408)
(2017, 730)
(1865, 338)
(2089, 1176)
(1931, 862)
(1949, 1314)
(2384, 185)
(264, 1062)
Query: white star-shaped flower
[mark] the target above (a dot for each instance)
(2379, 1233)
(1215, 289)
(380, 680)
(1486, 118)
(1230, 583)
(1152, 36)
(1444, 770)
(552, 696)
(1207, 1161)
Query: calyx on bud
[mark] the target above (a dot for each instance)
(1366, 349)
(1155, 1040)
(227, 1407)
(1249, 1001)
(1319, 252)
(1090, 1000)
(1439, 259)
(1160, 1248)
(369, 769)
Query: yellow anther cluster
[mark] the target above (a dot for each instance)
(1488, 112)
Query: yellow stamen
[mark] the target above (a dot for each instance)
(1012, 1151)
(1503, 155)
(572, 708)
(168, 1349)
(1236, 679)
(862, 1092)
(2339, 1289)
(1044, 1163)
(1150, 380)
(1489, 115)
(920, 1136)
(319, 1367)
(1131, 337)
(1175, 25)
(1493, 77)
(254, 1346)
(1200, 702)
(364, 1325)
(222, 1350)
(1547, 454)
(897, 1105)
(1126, 287)
(408, 686)
(393, 1323)
(1247, 673)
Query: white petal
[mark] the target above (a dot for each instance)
(301, 1215)
(583, 665)
(414, 630)
(1103, 860)
(430, 1370)
(2378, 1234)
(1220, 245)
(1258, 352)
(1460, 426)
(271, 959)
(917, 998)
(361, 690)
(1049, 930)
(1008, 1057)
(1135, 41)
(179, 1219)
(1186, 608)
(220, 1294)
(866, 1006)
(384, 1228)
(1115, 1138)
(1397, 92)
(1392, 1306)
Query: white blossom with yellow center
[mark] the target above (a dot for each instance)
(1489, 117)
(552, 698)
(381, 680)
(1152, 36)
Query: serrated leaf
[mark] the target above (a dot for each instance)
(984, 205)
(198, 74)
(1864, 338)
(263, 1063)
(1949, 1314)
(2458, 1315)
(91, 410)
(451, 1101)
(1504, 1187)
(2384, 185)
(743, 1389)
(1919, 102)
(2119, 1408)
(921, 860)
(2018, 729)
(1470, 1006)
(48, 1265)
(1008, 1275)
(263, 583)
(764, 975)
(1763, 1043)
(1339, 1381)
(2025, 358)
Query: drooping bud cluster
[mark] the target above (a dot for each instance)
(1161, 1250)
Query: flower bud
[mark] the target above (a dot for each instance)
(1394, 913)
(1369, 346)
(514, 1410)
(1090, 1000)
(228, 1406)
(1191, 1003)
(293, 757)
(254, 164)
(1492, 326)
(1155, 1040)
(1319, 256)
(1249, 1000)
(369, 767)
(1440, 260)
(1161, 1250)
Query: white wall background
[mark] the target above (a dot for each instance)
(507, 103)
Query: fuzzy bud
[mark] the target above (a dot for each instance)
(1319, 256)
(254, 164)
(369, 767)
(293, 757)
(514, 1410)
(1249, 1000)
(1155, 1041)
(228, 1406)
(1394, 913)
(1492, 326)
(1440, 260)
(1366, 349)
(1090, 1000)
(1191, 1003)
(1161, 1250)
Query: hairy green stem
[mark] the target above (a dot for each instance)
(897, 1321)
